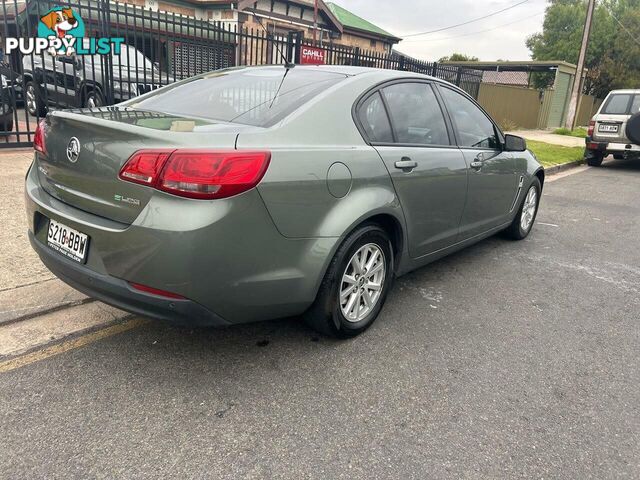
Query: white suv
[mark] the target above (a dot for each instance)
(607, 128)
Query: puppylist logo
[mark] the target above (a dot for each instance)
(61, 31)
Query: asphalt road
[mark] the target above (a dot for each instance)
(510, 359)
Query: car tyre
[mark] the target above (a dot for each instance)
(327, 314)
(33, 98)
(526, 217)
(7, 126)
(594, 159)
(94, 99)
(618, 156)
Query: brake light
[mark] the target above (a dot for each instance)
(38, 137)
(144, 166)
(592, 126)
(200, 174)
(156, 291)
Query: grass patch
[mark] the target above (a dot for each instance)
(549, 155)
(578, 132)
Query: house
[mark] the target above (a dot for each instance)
(333, 25)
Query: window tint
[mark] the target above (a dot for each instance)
(252, 96)
(617, 104)
(416, 114)
(473, 127)
(374, 120)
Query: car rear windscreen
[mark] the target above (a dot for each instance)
(622, 104)
(254, 96)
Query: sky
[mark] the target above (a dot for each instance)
(505, 40)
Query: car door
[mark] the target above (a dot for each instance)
(408, 128)
(493, 179)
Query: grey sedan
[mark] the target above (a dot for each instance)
(255, 193)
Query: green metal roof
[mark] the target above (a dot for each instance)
(351, 20)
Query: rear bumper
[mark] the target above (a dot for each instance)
(118, 293)
(599, 146)
(225, 256)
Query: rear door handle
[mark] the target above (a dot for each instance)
(406, 164)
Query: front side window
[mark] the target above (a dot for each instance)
(474, 128)
(416, 114)
(373, 118)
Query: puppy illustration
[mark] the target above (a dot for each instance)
(60, 21)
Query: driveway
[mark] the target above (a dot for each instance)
(548, 137)
(509, 359)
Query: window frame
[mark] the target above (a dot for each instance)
(496, 129)
(377, 89)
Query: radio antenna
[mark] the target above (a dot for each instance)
(287, 64)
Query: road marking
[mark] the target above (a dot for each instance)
(73, 344)
(548, 224)
(566, 173)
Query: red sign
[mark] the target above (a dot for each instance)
(312, 56)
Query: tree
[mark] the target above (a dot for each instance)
(612, 58)
(458, 57)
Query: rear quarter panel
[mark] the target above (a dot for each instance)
(304, 194)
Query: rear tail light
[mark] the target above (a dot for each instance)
(201, 174)
(156, 291)
(39, 137)
(592, 126)
(144, 166)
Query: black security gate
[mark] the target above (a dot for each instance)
(159, 48)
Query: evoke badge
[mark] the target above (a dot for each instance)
(73, 150)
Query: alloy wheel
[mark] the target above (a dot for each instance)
(31, 100)
(529, 209)
(362, 282)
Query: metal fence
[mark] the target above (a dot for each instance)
(159, 49)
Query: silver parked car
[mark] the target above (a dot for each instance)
(255, 193)
(606, 135)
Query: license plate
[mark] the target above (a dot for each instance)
(608, 128)
(67, 241)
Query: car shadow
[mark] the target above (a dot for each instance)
(629, 164)
(290, 340)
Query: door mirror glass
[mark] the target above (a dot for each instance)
(513, 143)
(633, 129)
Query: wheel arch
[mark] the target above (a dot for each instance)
(87, 86)
(387, 219)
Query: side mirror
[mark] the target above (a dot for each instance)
(633, 129)
(513, 143)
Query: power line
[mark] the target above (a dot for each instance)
(623, 27)
(479, 31)
(467, 22)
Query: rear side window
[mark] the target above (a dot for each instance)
(474, 128)
(373, 118)
(416, 114)
(635, 105)
(619, 104)
(257, 96)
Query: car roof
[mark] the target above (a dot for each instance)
(351, 70)
(624, 91)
